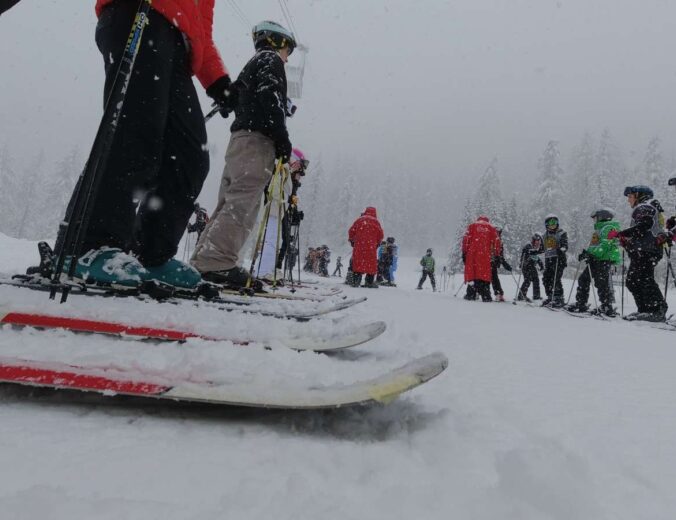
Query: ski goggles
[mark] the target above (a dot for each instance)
(551, 222)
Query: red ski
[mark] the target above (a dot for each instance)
(343, 338)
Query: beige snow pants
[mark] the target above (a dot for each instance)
(249, 164)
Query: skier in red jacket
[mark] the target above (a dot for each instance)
(159, 155)
(365, 236)
(479, 246)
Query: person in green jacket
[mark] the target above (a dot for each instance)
(427, 263)
(601, 254)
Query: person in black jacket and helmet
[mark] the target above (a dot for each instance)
(644, 241)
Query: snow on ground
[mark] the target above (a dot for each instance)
(539, 416)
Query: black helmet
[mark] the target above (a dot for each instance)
(429, 251)
(672, 181)
(549, 220)
(603, 214)
(197, 206)
(390, 240)
(536, 236)
(273, 34)
(643, 192)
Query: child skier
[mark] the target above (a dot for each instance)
(597, 260)
(427, 262)
(258, 137)
(339, 264)
(556, 245)
(643, 241)
(498, 260)
(530, 260)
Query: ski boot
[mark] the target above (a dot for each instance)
(499, 298)
(578, 307)
(656, 316)
(107, 267)
(234, 278)
(522, 298)
(607, 309)
(174, 273)
(558, 303)
(547, 302)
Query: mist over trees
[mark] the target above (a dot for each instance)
(418, 212)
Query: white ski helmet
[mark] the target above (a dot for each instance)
(273, 34)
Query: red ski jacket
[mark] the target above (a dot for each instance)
(365, 236)
(479, 245)
(195, 19)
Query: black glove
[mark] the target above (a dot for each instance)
(463, 258)
(283, 150)
(224, 94)
(541, 266)
(671, 222)
(582, 256)
(507, 266)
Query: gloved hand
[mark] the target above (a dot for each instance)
(623, 241)
(224, 94)
(541, 266)
(662, 238)
(283, 150)
(463, 258)
(613, 233)
(507, 266)
(582, 256)
(671, 222)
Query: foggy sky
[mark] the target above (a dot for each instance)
(424, 88)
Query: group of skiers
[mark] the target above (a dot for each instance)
(317, 260)
(157, 159)
(644, 241)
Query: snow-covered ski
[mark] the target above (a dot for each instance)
(234, 303)
(290, 395)
(343, 338)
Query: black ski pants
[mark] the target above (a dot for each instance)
(530, 275)
(158, 159)
(495, 279)
(479, 288)
(642, 285)
(599, 271)
(551, 278)
(424, 276)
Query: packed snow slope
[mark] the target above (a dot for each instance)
(539, 416)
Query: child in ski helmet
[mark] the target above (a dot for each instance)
(643, 244)
(427, 262)
(497, 261)
(598, 259)
(258, 137)
(555, 242)
(530, 259)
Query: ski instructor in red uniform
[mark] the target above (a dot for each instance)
(158, 159)
(479, 246)
(365, 236)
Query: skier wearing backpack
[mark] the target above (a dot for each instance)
(479, 245)
(159, 146)
(497, 261)
(601, 254)
(427, 262)
(258, 137)
(529, 262)
(555, 242)
(643, 241)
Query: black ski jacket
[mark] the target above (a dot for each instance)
(645, 226)
(530, 258)
(261, 89)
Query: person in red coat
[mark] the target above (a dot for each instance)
(365, 236)
(479, 246)
(158, 158)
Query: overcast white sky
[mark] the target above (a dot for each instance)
(431, 87)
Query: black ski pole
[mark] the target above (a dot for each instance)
(75, 224)
(622, 299)
(666, 279)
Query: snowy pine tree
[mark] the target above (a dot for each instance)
(549, 191)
